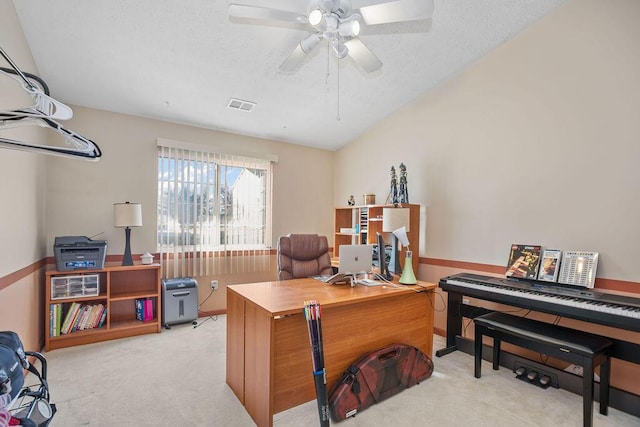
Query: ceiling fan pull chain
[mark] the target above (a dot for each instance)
(338, 97)
(326, 76)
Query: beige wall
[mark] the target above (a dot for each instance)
(22, 173)
(80, 194)
(537, 142)
(75, 197)
(23, 195)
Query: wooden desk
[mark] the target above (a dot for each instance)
(269, 364)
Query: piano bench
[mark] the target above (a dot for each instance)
(580, 348)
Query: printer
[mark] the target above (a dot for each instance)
(79, 253)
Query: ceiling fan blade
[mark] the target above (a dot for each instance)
(265, 14)
(294, 61)
(396, 11)
(363, 56)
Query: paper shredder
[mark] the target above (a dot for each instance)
(179, 301)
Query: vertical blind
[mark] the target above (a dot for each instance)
(214, 212)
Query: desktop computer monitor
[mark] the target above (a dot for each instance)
(382, 259)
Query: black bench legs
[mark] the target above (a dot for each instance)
(580, 348)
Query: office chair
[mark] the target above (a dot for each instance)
(303, 255)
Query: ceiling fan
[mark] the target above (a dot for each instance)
(338, 23)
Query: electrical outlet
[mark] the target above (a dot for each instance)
(214, 284)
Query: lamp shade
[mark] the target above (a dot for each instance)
(401, 235)
(394, 218)
(127, 215)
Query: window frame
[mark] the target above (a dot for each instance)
(218, 162)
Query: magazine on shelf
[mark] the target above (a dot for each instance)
(578, 268)
(524, 261)
(144, 309)
(550, 265)
(140, 309)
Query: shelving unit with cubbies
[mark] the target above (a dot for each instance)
(116, 288)
(363, 223)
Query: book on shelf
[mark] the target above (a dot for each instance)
(144, 309)
(71, 313)
(92, 313)
(58, 323)
(103, 317)
(148, 309)
(95, 316)
(52, 320)
(524, 261)
(82, 320)
(140, 309)
(78, 317)
(550, 265)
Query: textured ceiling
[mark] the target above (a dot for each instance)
(183, 60)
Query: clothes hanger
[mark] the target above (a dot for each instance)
(78, 146)
(45, 105)
(43, 113)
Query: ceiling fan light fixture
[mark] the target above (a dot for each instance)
(339, 48)
(315, 17)
(350, 27)
(309, 42)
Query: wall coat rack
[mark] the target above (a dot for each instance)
(44, 113)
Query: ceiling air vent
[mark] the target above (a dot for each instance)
(239, 104)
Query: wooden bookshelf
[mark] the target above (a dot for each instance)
(119, 287)
(366, 221)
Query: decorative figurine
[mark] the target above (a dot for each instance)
(351, 201)
(404, 191)
(393, 190)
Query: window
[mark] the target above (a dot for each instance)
(210, 206)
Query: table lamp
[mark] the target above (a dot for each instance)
(408, 277)
(127, 215)
(394, 219)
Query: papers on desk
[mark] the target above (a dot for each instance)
(368, 282)
(336, 278)
(351, 279)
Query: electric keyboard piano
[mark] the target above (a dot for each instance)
(576, 303)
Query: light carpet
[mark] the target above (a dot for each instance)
(177, 378)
